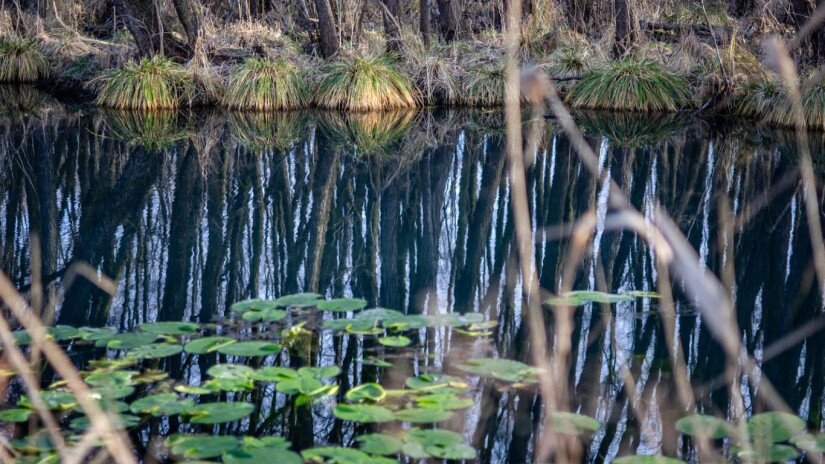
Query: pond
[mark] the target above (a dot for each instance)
(181, 216)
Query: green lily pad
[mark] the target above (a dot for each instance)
(342, 304)
(438, 443)
(436, 382)
(216, 413)
(162, 404)
(647, 459)
(265, 442)
(96, 333)
(207, 344)
(261, 455)
(200, 446)
(298, 300)
(54, 399)
(15, 415)
(253, 305)
(774, 427)
(169, 328)
(582, 297)
(423, 415)
(379, 443)
(126, 341)
(447, 401)
(367, 391)
(304, 385)
(230, 371)
(573, 424)
(363, 413)
(275, 374)
(125, 421)
(506, 370)
(112, 385)
(155, 350)
(809, 442)
(266, 315)
(252, 348)
(395, 341)
(698, 425)
(340, 455)
(319, 372)
(769, 453)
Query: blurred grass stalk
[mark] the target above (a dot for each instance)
(103, 426)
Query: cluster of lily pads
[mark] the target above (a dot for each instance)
(128, 378)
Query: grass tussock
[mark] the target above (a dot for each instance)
(21, 60)
(631, 85)
(768, 100)
(363, 84)
(151, 84)
(433, 69)
(571, 61)
(262, 85)
(484, 85)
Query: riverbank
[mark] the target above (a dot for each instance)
(254, 68)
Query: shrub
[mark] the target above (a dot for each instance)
(484, 85)
(21, 60)
(266, 85)
(361, 84)
(633, 85)
(151, 84)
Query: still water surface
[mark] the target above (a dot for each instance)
(411, 211)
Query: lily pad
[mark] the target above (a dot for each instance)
(809, 442)
(380, 443)
(207, 344)
(342, 304)
(169, 328)
(251, 348)
(261, 455)
(583, 297)
(507, 370)
(573, 424)
(253, 305)
(769, 453)
(423, 415)
(368, 391)
(126, 341)
(298, 300)
(162, 404)
(125, 421)
(698, 425)
(266, 315)
(231, 371)
(395, 341)
(340, 455)
(216, 413)
(438, 443)
(774, 427)
(54, 399)
(363, 413)
(436, 382)
(200, 446)
(447, 401)
(155, 350)
(15, 415)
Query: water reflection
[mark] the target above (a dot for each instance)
(191, 212)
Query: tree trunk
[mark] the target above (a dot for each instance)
(141, 19)
(190, 14)
(392, 23)
(327, 30)
(424, 20)
(627, 28)
(447, 20)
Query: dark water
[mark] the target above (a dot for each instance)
(190, 213)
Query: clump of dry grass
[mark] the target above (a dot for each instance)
(768, 100)
(263, 85)
(150, 84)
(365, 83)
(484, 85)
(21, 60)
(433, 69)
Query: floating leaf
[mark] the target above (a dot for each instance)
(54, 399)
(364, 413)
(298, 300)
(373, 361)
(774, 427)
(169, 328)
(379, 443)
(342, 304)
(126, 341)
(340, 455)
(112, 385)
(266, 315)
(96, 333)
(200, 446)
(698, 425)
(396, 341)
(63, 332)
(216, 413)
(809, 442)
(253, 305)
(582, 297)
(207, 344)
(648, 459)
(162, 404)
(275, 374)
(436, 382)
(231, 371)
(320, 372)
(125, 421)
(155, 350)
(253, 348)
(15, 415)
(367, 391)
(768, 452)
(423, 415)
(261, 455)
(573, 424)
(442, 444)
(502, 369)
(446, 401)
